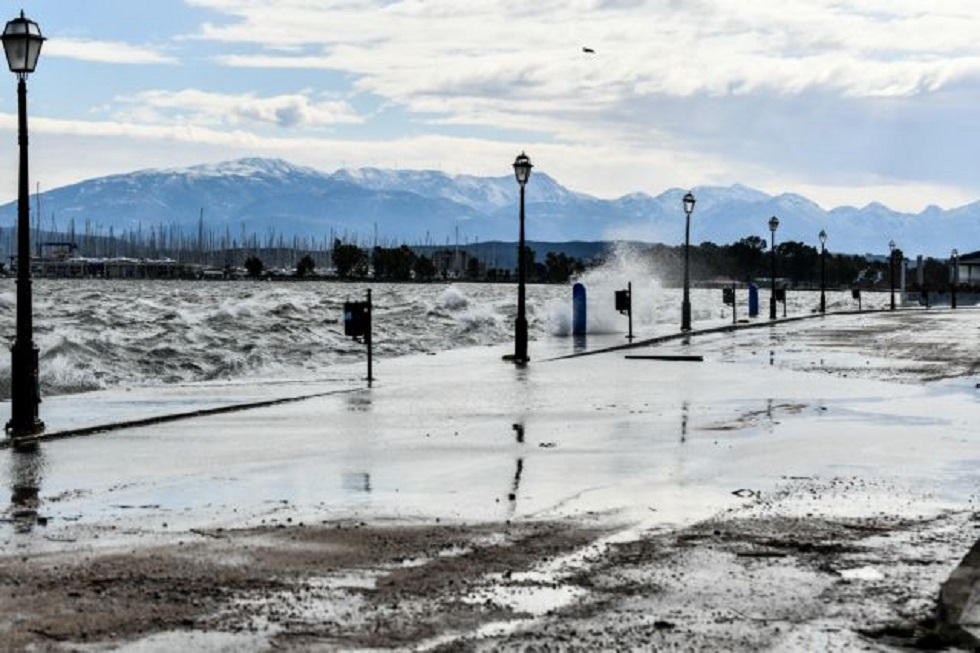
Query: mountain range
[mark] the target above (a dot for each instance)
(266, 196)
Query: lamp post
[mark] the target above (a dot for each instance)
(522, 170)
(22, 44)
(955, 278)
(686, 304)
(823, 271)
(773, 225)
(891, 271)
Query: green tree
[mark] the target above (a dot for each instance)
(394, 263)
(473, 268)
(560, 267)
(529, 256)
(748, 257)
(254, 266)
(305, 266)
(797, 261)
(349, 260)
(424, 268)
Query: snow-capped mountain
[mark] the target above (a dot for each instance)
(263, 196)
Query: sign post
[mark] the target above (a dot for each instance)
(357, 324)
(624, 304)
(728, 297)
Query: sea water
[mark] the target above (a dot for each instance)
(98, 333)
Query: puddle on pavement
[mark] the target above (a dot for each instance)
(535, 600)
(195, 641)
(357, 482)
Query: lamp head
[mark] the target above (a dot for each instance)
(522, 168)
(823, 237)
(689, 202)
(22, 44)
(773, 224)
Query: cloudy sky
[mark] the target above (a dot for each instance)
(845, 101)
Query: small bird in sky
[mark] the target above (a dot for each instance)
(588, 50)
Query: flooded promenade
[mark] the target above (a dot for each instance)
(799, 485)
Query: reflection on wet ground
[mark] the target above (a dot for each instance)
(357, 482)
(359, 402)
(685, 415)
(26, 471)
(517, 482)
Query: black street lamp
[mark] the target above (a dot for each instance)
(954, 278)
(686, 304)
(891, 270)
(823, 271)
(773, 225)
(22, 44)
(522, 170)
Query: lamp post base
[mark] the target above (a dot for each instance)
(24, 424)
(772, 308)
(686, 316)
(26, 444)
(520, 341)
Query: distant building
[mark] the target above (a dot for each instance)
(969, 268)
(64, 267)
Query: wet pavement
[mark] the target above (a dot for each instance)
(835, 419)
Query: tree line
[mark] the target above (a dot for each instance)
(402, 263)
(797, 265)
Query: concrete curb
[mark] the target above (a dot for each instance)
(162, 419)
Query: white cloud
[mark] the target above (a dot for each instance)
(519, 69)
(191, 106)
(112, 52)
(605, 170)
(813, 96)
(408, 49)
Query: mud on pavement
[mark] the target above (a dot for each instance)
(738, 582)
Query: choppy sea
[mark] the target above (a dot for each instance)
(97, 334)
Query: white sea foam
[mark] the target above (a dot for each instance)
(453, 299)
(106, 333)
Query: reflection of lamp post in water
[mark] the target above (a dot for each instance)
(686, 304)
(522, 170)
(26, 469)
(773, 225)
(22, 44)
(891, 271)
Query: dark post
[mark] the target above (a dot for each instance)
(856, 294)
(891, 271)
(823, 271)
(357, 324)
(522, 170)
(629, 293)
(689, 202)
(22, 44)
(954, 278)
(773, 225)
(731, 295)
(624, 304)
(368, 339)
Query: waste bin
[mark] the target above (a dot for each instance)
(357, 319)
